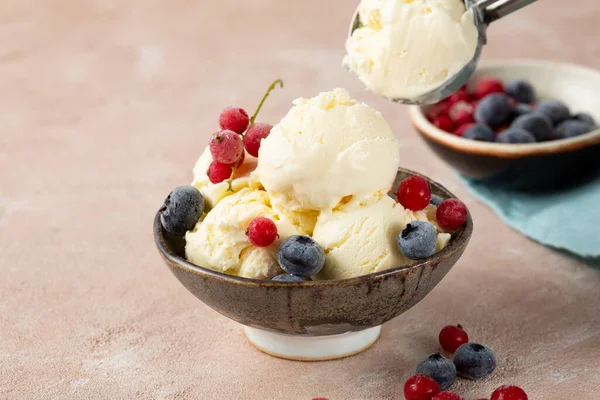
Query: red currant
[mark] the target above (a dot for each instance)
(255, 134)
(452, 337)
(262, 232)
(461, 113)
(438, 110)
(226, 147)
(234, 119)
(451, 214)
(420, 387)
(463, 128)
(461, 95)
(488, 85)
(240, 161)
(414, 193)
(509, 393)
(444, 123)
(218, 172)
(446, 396)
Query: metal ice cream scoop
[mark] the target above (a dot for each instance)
(485, 12)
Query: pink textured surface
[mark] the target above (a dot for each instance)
(107, 104)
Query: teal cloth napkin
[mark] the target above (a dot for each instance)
(566, 220)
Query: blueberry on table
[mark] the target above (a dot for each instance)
(584, 117)
(288, 278)
(418, 240)
(438, 368)
(556, 110)
(480, 132)
(301, 256)
(538, 125)
(474, 361)
(515, 135)
(181, 210)
(493, 110)
(521, 91)
(571, 128)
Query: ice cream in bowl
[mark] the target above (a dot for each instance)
(311, 236)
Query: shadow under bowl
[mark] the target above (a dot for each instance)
(315, 308)
(537, 166)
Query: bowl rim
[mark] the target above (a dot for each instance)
(504, 150)
(458, 241)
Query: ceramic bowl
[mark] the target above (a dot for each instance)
(535, 166)
(318, 319)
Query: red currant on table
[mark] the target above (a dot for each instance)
(218, 172)
(509, 393)
(451, 214)
(446, 396)
(452, 337)
(234, 119)
(488, 85)
(262, 232)
(254, 135)
(420, 387)
(414, 193)
(226, 147)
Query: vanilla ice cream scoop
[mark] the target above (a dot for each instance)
(420, 51)
(325, 149)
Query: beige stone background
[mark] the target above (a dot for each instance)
(105, 106)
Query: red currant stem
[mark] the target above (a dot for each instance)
(269, 90)
(230, 180)
(459, 326)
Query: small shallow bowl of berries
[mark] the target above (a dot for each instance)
(525, 125)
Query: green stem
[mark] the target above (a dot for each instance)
(269, 90)
(230, 181)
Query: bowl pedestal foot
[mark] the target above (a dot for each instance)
(312, 348)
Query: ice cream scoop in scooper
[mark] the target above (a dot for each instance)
(484, 12)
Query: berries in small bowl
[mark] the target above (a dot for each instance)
(533, 125)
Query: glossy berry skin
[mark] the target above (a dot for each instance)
(262, 232)
(437, 110)
(460, 131)
(444, 123)
(234, 119)
(461, 95)
(420, 387)
(487, 86)
(254, 135)
(418, 240)
(181, 210)
(451, 214)
(521, 90)
(479, 132)
(474, 361)
(571, 128)
(218, 172)
(556, 110)
(515, 135)
(452, 337)
(509, 393)
(446, 396)
(537, 124)
(288, 278)
(414, 193)
(226, 147)
(438, 368)
(493, 110)
(301, 256)
(461, 113)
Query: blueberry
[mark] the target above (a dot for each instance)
(181, 210)
(438, 368)
(521, 91)
(585, 118)
(515, 135)
(480, 132)
(436, 200)
(418, 240)
(493, 110)
(522, 109)
(538, 125)
(571, 128)
(474, 361)
(555, 110)
(301, 256)
(288, 278)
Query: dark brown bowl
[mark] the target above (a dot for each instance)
(318, 307)
(536, 166)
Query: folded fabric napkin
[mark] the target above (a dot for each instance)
(566, 219)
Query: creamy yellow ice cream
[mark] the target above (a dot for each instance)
(407, 48)
(326, 148)
(219, 240)
(359, 237)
